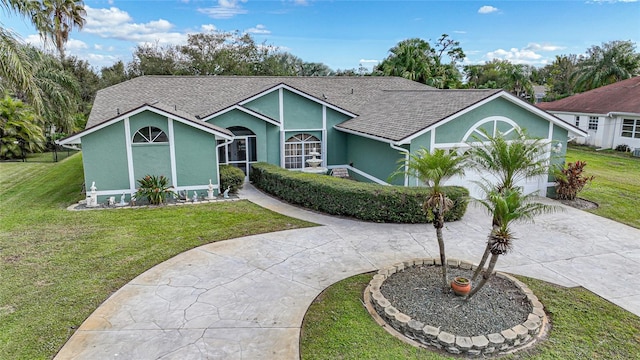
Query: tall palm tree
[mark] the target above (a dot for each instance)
(409, 59)
(433, 169)
(508, 161)
(59, 17)
(506, 207)
(606, 64)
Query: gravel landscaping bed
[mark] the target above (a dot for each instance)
(417, 292)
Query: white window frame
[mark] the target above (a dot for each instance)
(297, 148)
(148, 137)
(593, 122)
(632, 130)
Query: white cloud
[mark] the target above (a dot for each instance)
(543, 47)
(208, 28)
(226, 9)
(459, 32)
(487, 9)
(114, 23)
(365, 61)
(258, 29)
(75, 45)
(516, 56)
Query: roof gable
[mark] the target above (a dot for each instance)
(158, 108)
(622, 96)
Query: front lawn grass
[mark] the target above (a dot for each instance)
(585, 326)
(58, 266)
(616, 186)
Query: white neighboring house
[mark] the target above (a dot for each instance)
(609, 114)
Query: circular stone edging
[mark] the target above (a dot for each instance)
(506, 341)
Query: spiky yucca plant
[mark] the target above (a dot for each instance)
(155, 189)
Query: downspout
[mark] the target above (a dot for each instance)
(218, 162)
(406, 162)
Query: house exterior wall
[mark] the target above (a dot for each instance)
(196, 157)
(150, 159)
(373, 157)
(336, 140)
(300, 112)
(104, 157)
(267, 104)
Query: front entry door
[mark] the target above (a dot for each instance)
(237, 154)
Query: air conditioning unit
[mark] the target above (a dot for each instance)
(636, 152)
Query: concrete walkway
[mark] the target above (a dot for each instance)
(246, 298)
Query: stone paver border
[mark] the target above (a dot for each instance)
(419, 334)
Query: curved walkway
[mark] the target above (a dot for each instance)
(246, 298)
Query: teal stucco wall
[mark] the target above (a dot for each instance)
(196, 156)
(374, 158)
(300, 112)
(104, 157)
(454, 130)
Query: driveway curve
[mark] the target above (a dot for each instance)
(245, 298)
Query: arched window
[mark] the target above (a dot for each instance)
(297, 149)
(149, 134)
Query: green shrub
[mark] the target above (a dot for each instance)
(154, 189)
(364, 201)
(231, 176)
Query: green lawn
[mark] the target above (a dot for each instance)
(616, 187)
(57, 266)
(585, 326)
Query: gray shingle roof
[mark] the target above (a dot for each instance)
(387, 107)
(395, 115)
(204, 95)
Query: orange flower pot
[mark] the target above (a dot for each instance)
(461, 286)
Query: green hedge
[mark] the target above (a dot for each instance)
(364, 201)
(231, 176)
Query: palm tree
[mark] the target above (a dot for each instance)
(409, 59)
(506, 207)
(433, 169)
(509, 161)
(58, 18)
(606, 64)
(15, 69)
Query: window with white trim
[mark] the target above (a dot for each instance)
(631, 128)
(593, 123)
(297, 149)
(150, 134)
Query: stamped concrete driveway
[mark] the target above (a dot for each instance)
(246, 298)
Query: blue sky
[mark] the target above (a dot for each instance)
(344, 34)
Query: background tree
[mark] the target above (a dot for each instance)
(114, 74)
(153, 59)
(415, 59)
(603, 65)
(433, 169)
(558, 77)
(88, 82)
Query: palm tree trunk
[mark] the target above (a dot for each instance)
(485, 276)
(485, 256)
(443, 260)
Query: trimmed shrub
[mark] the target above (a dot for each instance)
(364, 201)
(231, 176)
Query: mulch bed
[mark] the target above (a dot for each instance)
(417, 292)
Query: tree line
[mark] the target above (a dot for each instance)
(45, 95)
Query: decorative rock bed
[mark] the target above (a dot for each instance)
(505, 341)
